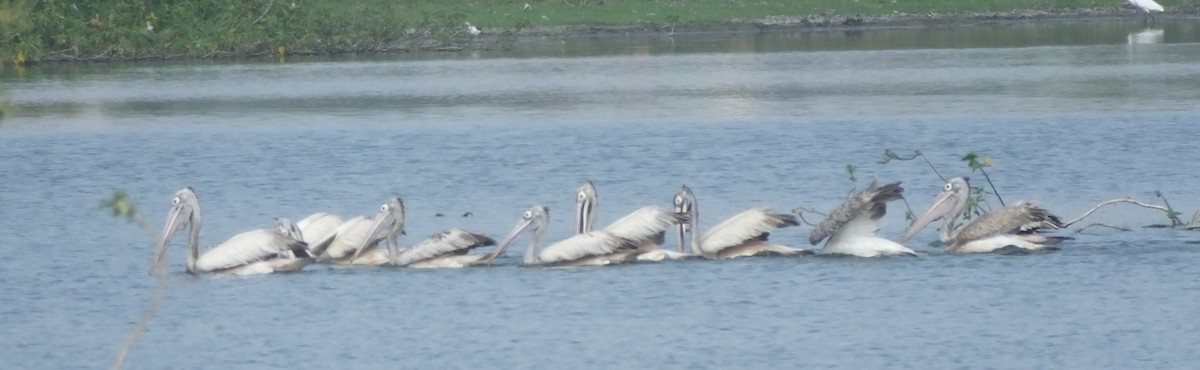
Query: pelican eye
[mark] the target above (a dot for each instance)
(383, 208)
(949, 186)
(528, 214)
(678, 200)
(582, 196)
(174, 200)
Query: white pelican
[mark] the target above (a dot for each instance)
(1146, 6)
(744, 234)
(1015, 225)
(253, 252)
(593, 248)
(317, 226)
(851, 227)
(645, 227)
(445, 249)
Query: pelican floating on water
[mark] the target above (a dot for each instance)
(593, 248)
(317, 226)
(448, 248)
(1014, 225)
(259, 251)
(645, 227)
(744, 234)
(851, 227)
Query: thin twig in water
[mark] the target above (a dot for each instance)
(1114, 201)
(989, 180)
(1192, 224)
(160, 290)
(1171, 214)
(799, 211)
(1101, 225)
(889, 155)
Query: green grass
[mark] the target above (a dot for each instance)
(43, 30)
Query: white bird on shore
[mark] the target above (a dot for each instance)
(474, 31)
(1146, 6)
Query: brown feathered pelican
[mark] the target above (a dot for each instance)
(594, 248)
(253, 252)
(851, 227)
(645, 227)
(445, 249)
(1014, 225)
(317, 226)
(744, 234)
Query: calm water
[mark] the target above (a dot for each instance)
(1072, 114)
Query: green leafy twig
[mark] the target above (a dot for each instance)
(977, 164)
(119, 205)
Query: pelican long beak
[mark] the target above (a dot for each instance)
(175, 222)
(940, 208)
(522, 226)
(583, 214)
(385, 227)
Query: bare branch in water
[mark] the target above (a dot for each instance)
(1192, 224)
(119, 205)
(1098, 224)
(1114, 201)
(799, 211)
(1171, 213)
(889, 155)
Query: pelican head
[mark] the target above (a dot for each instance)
(949, 205)
(585, 208)
(184, 213)
(685, 203)
(389, 225)
(535, 220)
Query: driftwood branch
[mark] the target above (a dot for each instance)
(1114, 201)
(799, 211)
(889, 155)
(264, 13)
(1098, 224)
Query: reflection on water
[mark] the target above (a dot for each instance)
(744, 119)
(1146, 36)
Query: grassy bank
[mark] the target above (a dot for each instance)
(75, 30)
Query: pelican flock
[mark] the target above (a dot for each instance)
(373, 240)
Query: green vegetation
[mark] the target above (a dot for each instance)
(66, 30)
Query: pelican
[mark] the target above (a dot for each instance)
(253, 252)
(445, 249)
(645, 227)
(595, 248)
(1147, 7)
(475, 31)
(851, 227)
(317, 226)
(744, 234)
(1014, 225)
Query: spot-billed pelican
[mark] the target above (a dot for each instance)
(1014, 225)
(445, 249)
(1146, 7)
(744, 234)
(317, 226)
(851, 227)
(645, 227)
(253, 252)
(593, 248)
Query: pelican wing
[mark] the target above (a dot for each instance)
(318, 225)
(449, 242)
(859, 212)
(754, 223)
(248, 247)
(1019, 217)
(344, 241)
(646, 224)
(595, 243)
